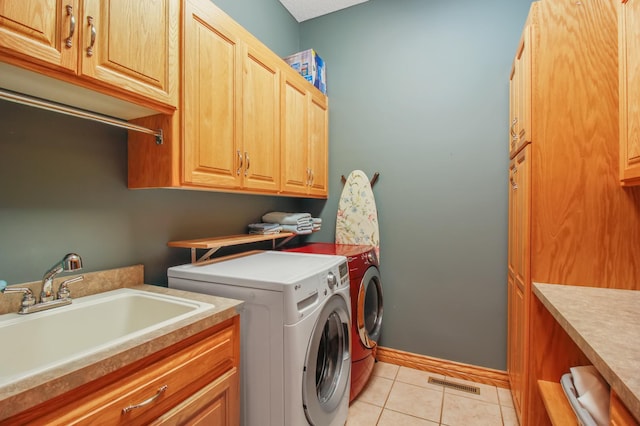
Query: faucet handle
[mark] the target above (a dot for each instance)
(63, 290)
(27, 300)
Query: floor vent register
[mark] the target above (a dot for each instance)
(453, 385)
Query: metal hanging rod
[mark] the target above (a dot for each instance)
(76, 112)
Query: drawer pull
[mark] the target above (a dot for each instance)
(146, 401)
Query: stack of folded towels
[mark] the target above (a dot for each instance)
(298, 223)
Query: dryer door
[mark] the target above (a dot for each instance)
(327, 366)
(369, 308)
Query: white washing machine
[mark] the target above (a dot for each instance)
(295, 363)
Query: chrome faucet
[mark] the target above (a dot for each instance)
(71, 262)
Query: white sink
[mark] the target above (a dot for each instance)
(34, 343)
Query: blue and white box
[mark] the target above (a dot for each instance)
(310, 66)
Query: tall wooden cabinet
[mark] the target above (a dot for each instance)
(629, 55)
(575, 225)
(113, 46)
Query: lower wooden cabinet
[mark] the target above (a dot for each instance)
(192, 382)
(519, 272)
(215, 404)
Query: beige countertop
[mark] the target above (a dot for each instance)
(21, 395)
(605, 324)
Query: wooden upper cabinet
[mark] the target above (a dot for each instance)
(629, 68)
(295, 134)
(45, 30)
(304, 138)
(261, 119)
(247, 121)
(212, 110)
(520, 95)
(127, 49)
(132, 45)
(318, 145)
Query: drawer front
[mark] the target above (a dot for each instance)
(155, 389)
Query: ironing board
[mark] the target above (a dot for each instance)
(357, 220)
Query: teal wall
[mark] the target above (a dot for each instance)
(418, 92)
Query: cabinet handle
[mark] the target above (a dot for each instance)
(511, 129)
(239, 163)
(311, 177)
(93, 36)
(246, 157)
(146, 401)
(72, 27)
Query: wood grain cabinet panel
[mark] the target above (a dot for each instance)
(117, 47)
(629, 66)
(519, 283)
(132, 45)
(305, 116)
(39, 30)
(261, 119)
(212, 110)
(520, 93)
(583, 228)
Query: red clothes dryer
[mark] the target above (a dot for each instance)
(366, 305)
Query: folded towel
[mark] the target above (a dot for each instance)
(316, 220)
(593, 392)
(264, 228)
(297, 229)
(287, 218)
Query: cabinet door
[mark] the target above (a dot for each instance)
(318, 145)
(39, 30)
(295, 134)
(629, 56)
(216, 404)
(212, 112)
(261, 119)
(520, 96)
(519, 276)
(132, 45)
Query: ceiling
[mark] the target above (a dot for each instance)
(303, 10)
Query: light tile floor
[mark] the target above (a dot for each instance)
(402, 396)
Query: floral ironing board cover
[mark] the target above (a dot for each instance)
(357, 220)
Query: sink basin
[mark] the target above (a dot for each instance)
(41, 341)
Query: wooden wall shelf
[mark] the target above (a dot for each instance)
(216, 243)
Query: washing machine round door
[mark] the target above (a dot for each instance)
(325, 381)
(369, 308)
